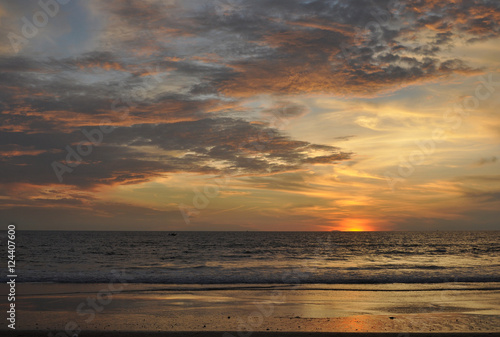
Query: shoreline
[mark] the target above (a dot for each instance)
(392, 287)
(409, 308)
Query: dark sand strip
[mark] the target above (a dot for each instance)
(39, 333)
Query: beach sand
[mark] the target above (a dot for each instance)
(252, 310)
(38, 333)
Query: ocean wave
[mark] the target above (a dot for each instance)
(215, 275)
(258, 258)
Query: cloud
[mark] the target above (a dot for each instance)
(486, 161)
(479, 178)
(283, 111)
(483, 196)
(483, 190)
(204, 55)
(99, 215)
(131, 155)
(301, 47)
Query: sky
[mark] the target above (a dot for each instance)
(250, 115)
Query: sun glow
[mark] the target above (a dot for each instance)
(355, 225)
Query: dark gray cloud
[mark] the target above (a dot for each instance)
(488, 220)
(95, 216)
(483, 189)
(141, 152)
(219, 48)
(486, 161)
(483, 196)
(297, 46)
(480, 178)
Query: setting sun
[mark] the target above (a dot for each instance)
(355, 225)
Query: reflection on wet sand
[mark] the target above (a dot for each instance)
(342, 308)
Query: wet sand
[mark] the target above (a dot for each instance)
(135, 309)
(256, 334)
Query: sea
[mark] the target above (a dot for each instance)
(257, 257)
